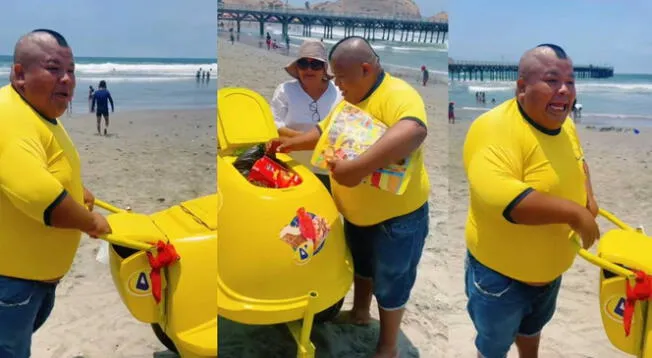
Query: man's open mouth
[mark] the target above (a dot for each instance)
(558, 107)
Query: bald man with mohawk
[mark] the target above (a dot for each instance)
(385, 232)
(44, 205)
(529, 186)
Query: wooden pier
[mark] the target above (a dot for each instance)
(370, 27)
(498, 71)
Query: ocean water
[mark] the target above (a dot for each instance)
(623, 100)
(140, 83)
(405, 56)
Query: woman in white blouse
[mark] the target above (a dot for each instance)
(299, 104)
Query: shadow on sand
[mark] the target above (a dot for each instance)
(330, 340)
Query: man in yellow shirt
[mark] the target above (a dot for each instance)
(385, 232)
(44, 206)
(529, 186)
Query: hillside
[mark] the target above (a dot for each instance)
(401, 8)
(440, 17)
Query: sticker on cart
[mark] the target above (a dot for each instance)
(139, 284)
(306, 235)
(614, 308)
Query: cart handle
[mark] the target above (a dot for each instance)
(121, 241)
(598, 261)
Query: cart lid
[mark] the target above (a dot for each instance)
(244, 118)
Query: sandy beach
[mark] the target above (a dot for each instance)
(424, 331)
(618, 161)
(436, 323)
(150, 160)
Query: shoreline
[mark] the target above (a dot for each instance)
(440, 77)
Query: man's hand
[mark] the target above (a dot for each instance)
(89, 199)
(348, 173)
(100, 226)
(592, 206)
(585, 226)
(279, 145)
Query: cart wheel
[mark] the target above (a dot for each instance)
(329, 313)
(163, 338)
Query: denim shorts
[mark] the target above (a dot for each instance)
(24, 307)
(326, 180)
(388, 253)
(502, 308)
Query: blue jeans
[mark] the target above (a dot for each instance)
(24, 307)
(502, 308)
(388, 253)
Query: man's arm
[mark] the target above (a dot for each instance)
(287, 132)
(111, 100)
(591, 203)
(35, 192)
(93, 103)
(395, 145)
(304, 141)
(494, 178)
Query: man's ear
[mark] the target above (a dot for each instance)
(17, 75)
(520, 87)
(366, 69)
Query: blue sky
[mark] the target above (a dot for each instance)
(118, 28)
(428, 7)
(614, 32)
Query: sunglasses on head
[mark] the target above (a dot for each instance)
(315, 65)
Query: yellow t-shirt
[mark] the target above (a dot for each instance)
(506, 155)
(390, 101)
(39, 165)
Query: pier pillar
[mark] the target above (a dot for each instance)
(237, 23)
(285, 29)
(262, 27)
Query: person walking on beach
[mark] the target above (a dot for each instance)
(102, 97)
(424, 75)
(451, 112)
(91, 90)
(385, 232)
(45, 205)
(268, 41)
(529, 186)
(298, 105)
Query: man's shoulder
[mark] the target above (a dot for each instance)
(396, 90)
(398, 84)
(497, 125)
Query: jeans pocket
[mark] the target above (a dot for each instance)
(489, 282)
(412, 224)
(16, 292)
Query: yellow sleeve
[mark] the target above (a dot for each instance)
(494, 174)
(25, 180)
(408, 105)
